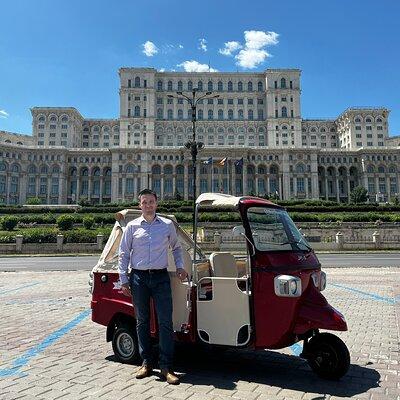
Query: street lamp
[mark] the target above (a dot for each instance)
(192, 145)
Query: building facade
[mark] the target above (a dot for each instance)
(255, 123)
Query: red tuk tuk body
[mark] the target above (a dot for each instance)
(271, 300)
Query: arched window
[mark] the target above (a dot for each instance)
(392, 169)
(284, 111)
(14, 168)
(96, 172)
(169, 114)
(137, 82)
(283, 83)
(381, 169)
(210, 114)
(55, 169)
(137, 111)
(200, 86)
(240, 86)
(300, 168)
(169, 85)
(230, 86)
(180, 169)
(200, 114)
(189, 114)
(273, 170)
(210, 86)
(230, 114)
(130, 169)
(240, 114)
(261, 170)
(160, 113)
(190, 86)
(41, 118)
(220, 86)
(250, 86)
(260, 86)
(220, 114)
(156, 170)
(368, 120)
(84, 172)
(159, 85)
(357, 120)
(168, 170)
(250, 114)
(180, 86)
(370, 169)
(378, 120)
(180, 114)
(31, 169)
(43, 169)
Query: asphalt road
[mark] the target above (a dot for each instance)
(82, 263)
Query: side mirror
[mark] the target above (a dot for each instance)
(238, 230)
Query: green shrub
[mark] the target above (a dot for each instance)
(81, 235)
(33, 201)
(65, 222)
(9, 223)
(88, 222)
(40, 235)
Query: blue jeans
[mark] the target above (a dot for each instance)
(157, 286)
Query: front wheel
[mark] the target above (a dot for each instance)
(125, 345)
(328, 356)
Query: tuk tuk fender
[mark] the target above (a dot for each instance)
(316, 313)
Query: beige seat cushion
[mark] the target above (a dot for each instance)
(223, 264)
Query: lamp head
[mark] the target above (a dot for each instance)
(188, 145)
(200, 145)
(180, 93)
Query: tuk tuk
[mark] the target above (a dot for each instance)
(270, 298)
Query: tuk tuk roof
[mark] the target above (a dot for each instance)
(227, 200)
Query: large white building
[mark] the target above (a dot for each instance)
(257, 117)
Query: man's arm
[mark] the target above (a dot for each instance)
(177, 252)
(125, 248)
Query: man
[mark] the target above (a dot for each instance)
(144, 246)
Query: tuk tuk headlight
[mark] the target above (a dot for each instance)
(287, 286)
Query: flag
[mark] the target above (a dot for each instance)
(208, 161)
(223, 161)
(239, 163)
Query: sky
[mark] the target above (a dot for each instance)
(67, 53)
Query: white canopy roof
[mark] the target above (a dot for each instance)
(217, 199)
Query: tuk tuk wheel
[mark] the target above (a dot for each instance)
(125, 345)
(328, 356)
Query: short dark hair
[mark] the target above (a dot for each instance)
(147, 191)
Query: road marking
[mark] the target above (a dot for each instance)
(366, 294)
(39, 348)
(19, 288)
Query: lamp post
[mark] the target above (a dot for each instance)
(193, 145)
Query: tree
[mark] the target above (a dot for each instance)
(88, 222)
(33, 201)
(359, 195)
(65, 222)
(9, 223)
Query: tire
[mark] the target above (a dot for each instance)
(125, 345)
(328, 356)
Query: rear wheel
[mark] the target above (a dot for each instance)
(125, 345)
(328, 356)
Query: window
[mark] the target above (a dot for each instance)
(240, 86)
(169, 114)
(180, 86)
(210, 86)
(283, 83)
(240, 114)
(200, 114)
(230, 114)
(230, 101)
(210, 114)
(250, 114)
(250, 86)
(220, 114)
(260, 86)
(358, 128)
(159, 85)
(137, 82)
(230, 86)
(369, 128)
(200, 86)
(220, 87)
(284, 111)
(190, 85)
(169, 86)
(137, 111)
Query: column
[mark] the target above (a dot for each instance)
(267, 189)
(61, 186)
(48, 189)
(233, 179)
(286, 186)
(78, 188)
(162, 187)
(280, 187)
(295, 186)
(244, 175)
(314, 185)
(173, 185)
(89, 186)
(123, 187)
(23, 187)
(306, 185)
(186, 181)
(348, 187)
(101, 189)
(377, 185)
(326, 187)
(337, 187)
(8, 184)
(197, 181)
(135, 191)
(389, 194)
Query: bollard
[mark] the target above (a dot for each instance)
(340, 240)
(100, 242)
(376, 238)
(60, 242)
(18, 243)
(217, 240)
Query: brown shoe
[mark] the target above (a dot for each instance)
(170, 376)
(144, 371)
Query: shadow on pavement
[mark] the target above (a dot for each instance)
(222, 369)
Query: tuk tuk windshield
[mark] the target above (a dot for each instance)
(274, 230)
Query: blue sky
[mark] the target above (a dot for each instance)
(55, 53)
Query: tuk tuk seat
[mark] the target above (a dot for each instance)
(223, 264)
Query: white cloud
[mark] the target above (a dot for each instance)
(149, 49)
(194, 66)
(258, 39)
(161, 70)
(253, 52)
(4, 114)
(180, 46)
(230, 47)
(203, 44)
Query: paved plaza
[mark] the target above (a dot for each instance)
(50, 349)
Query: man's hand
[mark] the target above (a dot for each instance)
(181, 274)
(126, 291)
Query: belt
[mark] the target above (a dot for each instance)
(151, 271)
